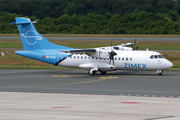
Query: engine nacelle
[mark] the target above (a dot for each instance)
(97, 66)
(125, 48)
(100, 53)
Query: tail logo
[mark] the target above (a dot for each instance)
(31, 37)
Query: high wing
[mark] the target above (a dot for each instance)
(94, 52)
(101, 52)
(128, 44)
(80, 51)
(121, 47)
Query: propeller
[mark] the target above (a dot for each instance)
(111, 55)
(134, 47)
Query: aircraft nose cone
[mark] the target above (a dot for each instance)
(169, 64)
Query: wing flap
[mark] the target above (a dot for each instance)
(80, 51)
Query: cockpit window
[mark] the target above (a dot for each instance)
(160, 56)
(155, 56)
(151, 57)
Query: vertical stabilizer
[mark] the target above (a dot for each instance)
(31, 39)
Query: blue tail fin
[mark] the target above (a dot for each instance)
(31, 39)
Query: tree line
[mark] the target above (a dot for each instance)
(138, 22)
(56, 8)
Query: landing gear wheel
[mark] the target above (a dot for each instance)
(92, 73)
(103, 72)
(159, 74)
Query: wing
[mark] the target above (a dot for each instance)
(128, 44)
(96, 52)
(80, 51)
(104, 52)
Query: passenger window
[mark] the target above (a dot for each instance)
(119, 58)
(81, 57)
(77, 57)
(130, 59)
(155, 56)
(85, 57)
(74, 57)
(122, 58)
(88, 57)
(115, 58)
(126, 58)
(151, 57)
(92, 57)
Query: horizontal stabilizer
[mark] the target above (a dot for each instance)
(15, 23)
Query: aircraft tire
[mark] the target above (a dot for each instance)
(159, 74)
(103, 72)
(93, 72)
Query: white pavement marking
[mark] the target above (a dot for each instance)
(50, 106)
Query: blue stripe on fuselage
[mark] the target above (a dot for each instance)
(48, 56)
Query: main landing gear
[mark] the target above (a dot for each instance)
(159, 72)
(95, 71)
(92, 72)
(103, 72)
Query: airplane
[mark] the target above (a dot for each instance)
(102, 59)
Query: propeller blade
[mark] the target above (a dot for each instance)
(111, 57)
(111, 45)
(137, 47)
(113, 60)
(112, 54)
(134, 44)
(110, 61)
(135, 41)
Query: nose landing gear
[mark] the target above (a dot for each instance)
(159, 72)
(94, 72)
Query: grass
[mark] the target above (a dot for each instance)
(100, 35)
(12, 61)
(152, 45)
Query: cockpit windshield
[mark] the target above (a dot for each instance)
(160, 56)
(156, 56)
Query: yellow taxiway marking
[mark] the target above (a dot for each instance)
(110, 77)
(61, 76)
(101, 79)
(73, 83)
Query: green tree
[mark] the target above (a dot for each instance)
(70, 8)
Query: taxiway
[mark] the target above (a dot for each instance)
(74, 95)
(129, 83)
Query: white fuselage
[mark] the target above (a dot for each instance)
(124, 60)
